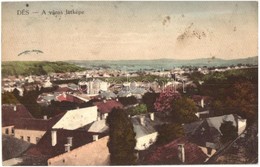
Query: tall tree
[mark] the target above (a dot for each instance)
(169, 132)
(122, 140)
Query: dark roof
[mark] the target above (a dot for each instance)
(168, 154)
(243, 150)
(37, 124)
(45, 148)
(13, 147)
(106, 107)
(9, 116)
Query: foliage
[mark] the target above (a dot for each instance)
(122, 140)
(165, 101)
(184, 110)
(228, 130)
(169, 132)
(26, 68)
(9, 98)
(149, 99)
(139, 109)
(244, 100)
(127, 100)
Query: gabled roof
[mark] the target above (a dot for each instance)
(98, 127)
(106, 107)
(10, 117)
(13, 147)
(37, 124)
(168, 154)
(44, 147)
(147, 128)
(74, 119)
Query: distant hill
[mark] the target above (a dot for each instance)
(162, 63)
(37, 68)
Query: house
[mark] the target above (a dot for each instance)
(97, 154)
(179, 151)
(12, 147)
(104, 107)
(243, 150)
(107, 95)
(99, 126)
(57, 142)
(32, 129)
(11, 114)
(74, 119)
(96, 85)
(47, 83)
(144, 127)
(206, 132)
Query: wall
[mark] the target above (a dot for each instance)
(145, 141)
(31, 133)
(95, 153)
(9, 130)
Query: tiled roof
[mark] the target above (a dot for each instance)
(74, 119)
(168, 154)
(10, 117)
(37, 124)
(106, 107)
(45, 148)
(13, 147)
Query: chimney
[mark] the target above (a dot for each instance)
(69, 140)
(202, 103)
(15, 108)
(181, 153)
(95, 137)
(67, 147)
(152, 116)
(53, 137)
(45, 117)
(142, 120)
(116, 99)
(104, 101)
(105, 116)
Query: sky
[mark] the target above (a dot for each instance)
(129, 30)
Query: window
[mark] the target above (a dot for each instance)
(13, 131)
(7, 131)
(28, 138)
(21, 137)
(37, 139)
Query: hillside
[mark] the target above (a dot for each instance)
(162, 63)
(37, 68)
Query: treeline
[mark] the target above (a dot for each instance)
(234, 92)
(26, 68)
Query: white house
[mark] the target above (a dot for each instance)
(146, 135)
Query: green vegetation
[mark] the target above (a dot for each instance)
(233, 91)
(184, 110)
(26, 68)
(9, 98)
(169, 132)
(139, 109)
(122, 140)
(141, 78)
(228, 130)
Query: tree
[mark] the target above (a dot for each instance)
(149, 99)
(183, 110)
(228, 130)
(169, 132)
(122, 140)
(165, 101)
(139, 109)
(244, 100)
(9, 98)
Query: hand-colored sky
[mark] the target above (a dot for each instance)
(130, 30)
